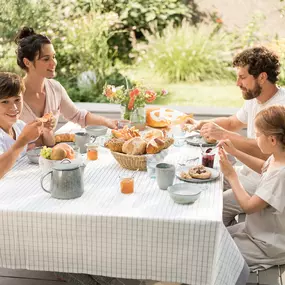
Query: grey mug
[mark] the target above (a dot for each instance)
(165, 174)
(81, 139)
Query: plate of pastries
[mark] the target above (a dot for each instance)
(197, 174)
(198, 140)
(130, 147)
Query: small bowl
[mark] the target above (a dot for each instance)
(34, 154)
(96, 131)
(46, 165)
(184, 193)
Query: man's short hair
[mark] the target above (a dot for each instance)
(11, 85)
(258, 60)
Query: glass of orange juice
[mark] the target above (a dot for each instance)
(126, 183)
(92, 151)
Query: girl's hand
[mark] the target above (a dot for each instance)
(227, 146)
(226, 166)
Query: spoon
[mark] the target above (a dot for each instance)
(190, 159)
(201, 148)
(135, 173)
(92, 139)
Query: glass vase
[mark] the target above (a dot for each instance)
(137, 116)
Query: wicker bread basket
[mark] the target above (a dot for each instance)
(131, 162)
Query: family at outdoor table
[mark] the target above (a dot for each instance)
(256, 188)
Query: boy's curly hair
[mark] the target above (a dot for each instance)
(258, 60)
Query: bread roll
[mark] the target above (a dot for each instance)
(115, 144)
(64, 138)
(154, 146)
(134, 146)
(168, 142)
(209, 140)
(67, 149)
(163, 117)
(46, 117)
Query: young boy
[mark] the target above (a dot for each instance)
(15, 134)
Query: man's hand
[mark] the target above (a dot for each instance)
(226, 166)
(31, 132)
(213, 130)
(196, 125)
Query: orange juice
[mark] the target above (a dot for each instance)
(92, 154)
(127, 185)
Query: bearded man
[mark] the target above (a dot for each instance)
(257, 73)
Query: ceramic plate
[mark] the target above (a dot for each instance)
(215, 174)
(197, 140)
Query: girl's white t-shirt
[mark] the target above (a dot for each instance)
(6, 141)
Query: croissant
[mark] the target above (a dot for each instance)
(65, 138)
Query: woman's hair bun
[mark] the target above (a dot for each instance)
(23, 33)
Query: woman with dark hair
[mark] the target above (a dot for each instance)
(43, 94)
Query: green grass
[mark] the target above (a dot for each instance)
(207, 94)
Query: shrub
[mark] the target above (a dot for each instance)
(138, 15)
(190, 53)
(278, 46)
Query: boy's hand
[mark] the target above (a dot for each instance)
(31, 132)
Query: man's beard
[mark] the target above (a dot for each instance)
(251, 94)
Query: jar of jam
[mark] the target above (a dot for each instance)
(208, 158)
(126, 184)
(92, 151)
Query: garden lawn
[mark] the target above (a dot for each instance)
(208, 94)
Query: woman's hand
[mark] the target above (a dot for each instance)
(227, 146)
(111, 124)
(226, 166)
(50, 124)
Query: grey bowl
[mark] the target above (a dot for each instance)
(34, 154)
(96, 131)
(184, 193)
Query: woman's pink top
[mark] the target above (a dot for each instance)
(57, 102)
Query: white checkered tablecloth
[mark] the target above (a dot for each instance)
(144, 235)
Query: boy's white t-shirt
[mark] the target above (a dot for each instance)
(251, 107)
(6, 141)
